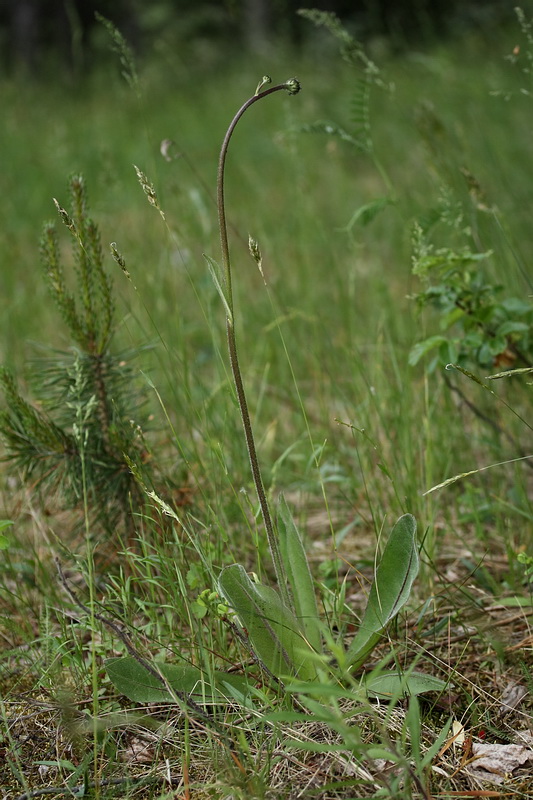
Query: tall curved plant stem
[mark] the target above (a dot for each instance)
(292, 87)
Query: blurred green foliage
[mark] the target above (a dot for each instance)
(43, 34)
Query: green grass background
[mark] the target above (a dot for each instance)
(327, 340)
(338, 412)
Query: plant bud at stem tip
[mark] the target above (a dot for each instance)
(293, 86)
(264, 80)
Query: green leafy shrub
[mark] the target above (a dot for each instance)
(478, 326)
(481, 325)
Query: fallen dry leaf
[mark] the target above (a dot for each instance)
(511, 698)
(526, 737)
(458, 733)
(139, 751)
(495, 762)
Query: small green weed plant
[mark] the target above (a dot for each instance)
(281, 626)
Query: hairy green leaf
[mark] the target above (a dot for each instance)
(299, 575)
(130, 678)
(392, 585)
(392, 683)
(273, 631)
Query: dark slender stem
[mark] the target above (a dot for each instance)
(292, 87)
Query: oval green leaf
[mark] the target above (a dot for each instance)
(134, 681)
(273, 631)
(299, 576)
(394, 684)
(394, 578)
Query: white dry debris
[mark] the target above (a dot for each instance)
(511, 698)
(496, 762)
(526, 737)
